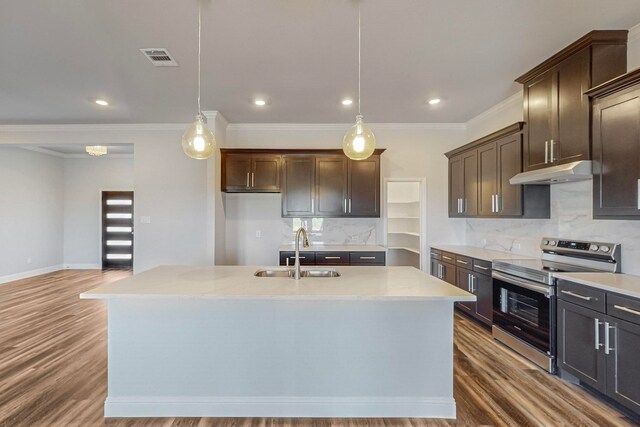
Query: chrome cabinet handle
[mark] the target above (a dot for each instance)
(473, 284)
(498, 203)
(483, 268)
(607, 349)
(367, 257)
(627, 309)
(332, 257)
(253, 179)
(292, 257)
(446, 257)
(546, 152)
(349, 205)
(639, 194)
(345, 205)
(248, 179)
(439, 271)
(582, 297)
(434, 254)
(312, 210)
(462, 262)
(464, 205)
(469, 282)
(551, 143)
(597, 324)
(493, 203)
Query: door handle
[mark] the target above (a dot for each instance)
(248, 179)
(546, 151)
(573, 294)
(345, 205)
(639, 194)
(498, 203)
(469, 282)
(551, 143)
(349, 205)
(607, 349)
(597, 324)
(627, 309)
(462, 262)
(493, 203)
(253, 179)
(332, 257)
(484, 268)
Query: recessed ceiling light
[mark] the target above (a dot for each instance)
(102, 102)
(434, 101)
(347, 101)
(260, 102)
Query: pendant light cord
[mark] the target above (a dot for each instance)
(199, 51)
(359, 56)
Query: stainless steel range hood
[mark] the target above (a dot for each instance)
(575, 171)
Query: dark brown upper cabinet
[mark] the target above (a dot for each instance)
(556, 108)
(479, 174)
(250, 173)
(325, 183)
(616, 147)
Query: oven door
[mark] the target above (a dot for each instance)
(523, 308)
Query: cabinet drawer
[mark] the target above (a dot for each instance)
(582, 295)
(332, 258)
(306, 258)
(367, 258)
(482, 266)
(464, 262)
(448, 257)
(625, 308)
(436, 254)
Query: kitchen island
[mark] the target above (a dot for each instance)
(218, 341)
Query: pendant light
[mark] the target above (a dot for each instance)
(198, 141)
(359, 142)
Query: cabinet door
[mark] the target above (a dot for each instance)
(487, 179)
(616, 156)
(483, 288)
(623, 379)
(331, 186)
(538, 113)
(364, 187)
(298, 186)
(435, 270)
(470, 167)
(580, 338)
(509, 158)
(236, 174)
(265, 173)
(456, 186)
(463, 281)
(571, 142)
(449, 273)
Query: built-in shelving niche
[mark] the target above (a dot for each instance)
(404, 214)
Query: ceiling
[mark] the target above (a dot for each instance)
(301, 55)
(76, 150)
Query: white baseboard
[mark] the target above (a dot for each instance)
(82, 266)
(30, 273)
(280, 406)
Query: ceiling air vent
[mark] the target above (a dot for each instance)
(160, 57)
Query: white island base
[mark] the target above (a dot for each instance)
(280, 356)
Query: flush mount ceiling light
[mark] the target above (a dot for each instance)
(359, 142)
(347, 101)
(102, 102)
(260, 102)
(96, 150)
(434, 101)
(198, 141)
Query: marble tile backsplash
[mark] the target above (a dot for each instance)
(571, 217)
(332, 231)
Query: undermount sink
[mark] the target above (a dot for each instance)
(303, 273)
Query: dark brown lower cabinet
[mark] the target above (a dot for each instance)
(601, 348)
(481, 285)
(444, 271)
(369, 258)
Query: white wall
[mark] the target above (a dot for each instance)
(571, 203)
(84, 179)
(31, 213)
(412, 151)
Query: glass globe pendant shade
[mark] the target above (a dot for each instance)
(198, 141)
(359, 142)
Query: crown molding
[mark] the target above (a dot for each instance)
(634, 33)
(41, 151)
(121, 127)
(217, 117)
(73, 155)
(331, 127)
(516, 98)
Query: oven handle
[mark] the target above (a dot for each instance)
(532, 286)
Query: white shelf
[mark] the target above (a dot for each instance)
(404, 217)
(408, 233)
(403, 248)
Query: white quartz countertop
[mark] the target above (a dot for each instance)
(335, 248)
(239, 282)
(624, 284)
(479, 253)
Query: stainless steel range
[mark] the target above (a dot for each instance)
(524, 294)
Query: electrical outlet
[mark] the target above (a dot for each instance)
(258, 234)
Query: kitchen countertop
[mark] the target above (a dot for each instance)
(239, 282)
(479, 253)
(624, 284)
(335, 248)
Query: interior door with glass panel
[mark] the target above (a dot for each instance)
(117, 229)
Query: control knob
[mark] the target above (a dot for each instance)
(593, 247)
(604, 248)
(546, 242)
(552, 242)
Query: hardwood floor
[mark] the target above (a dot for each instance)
(53, 371)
